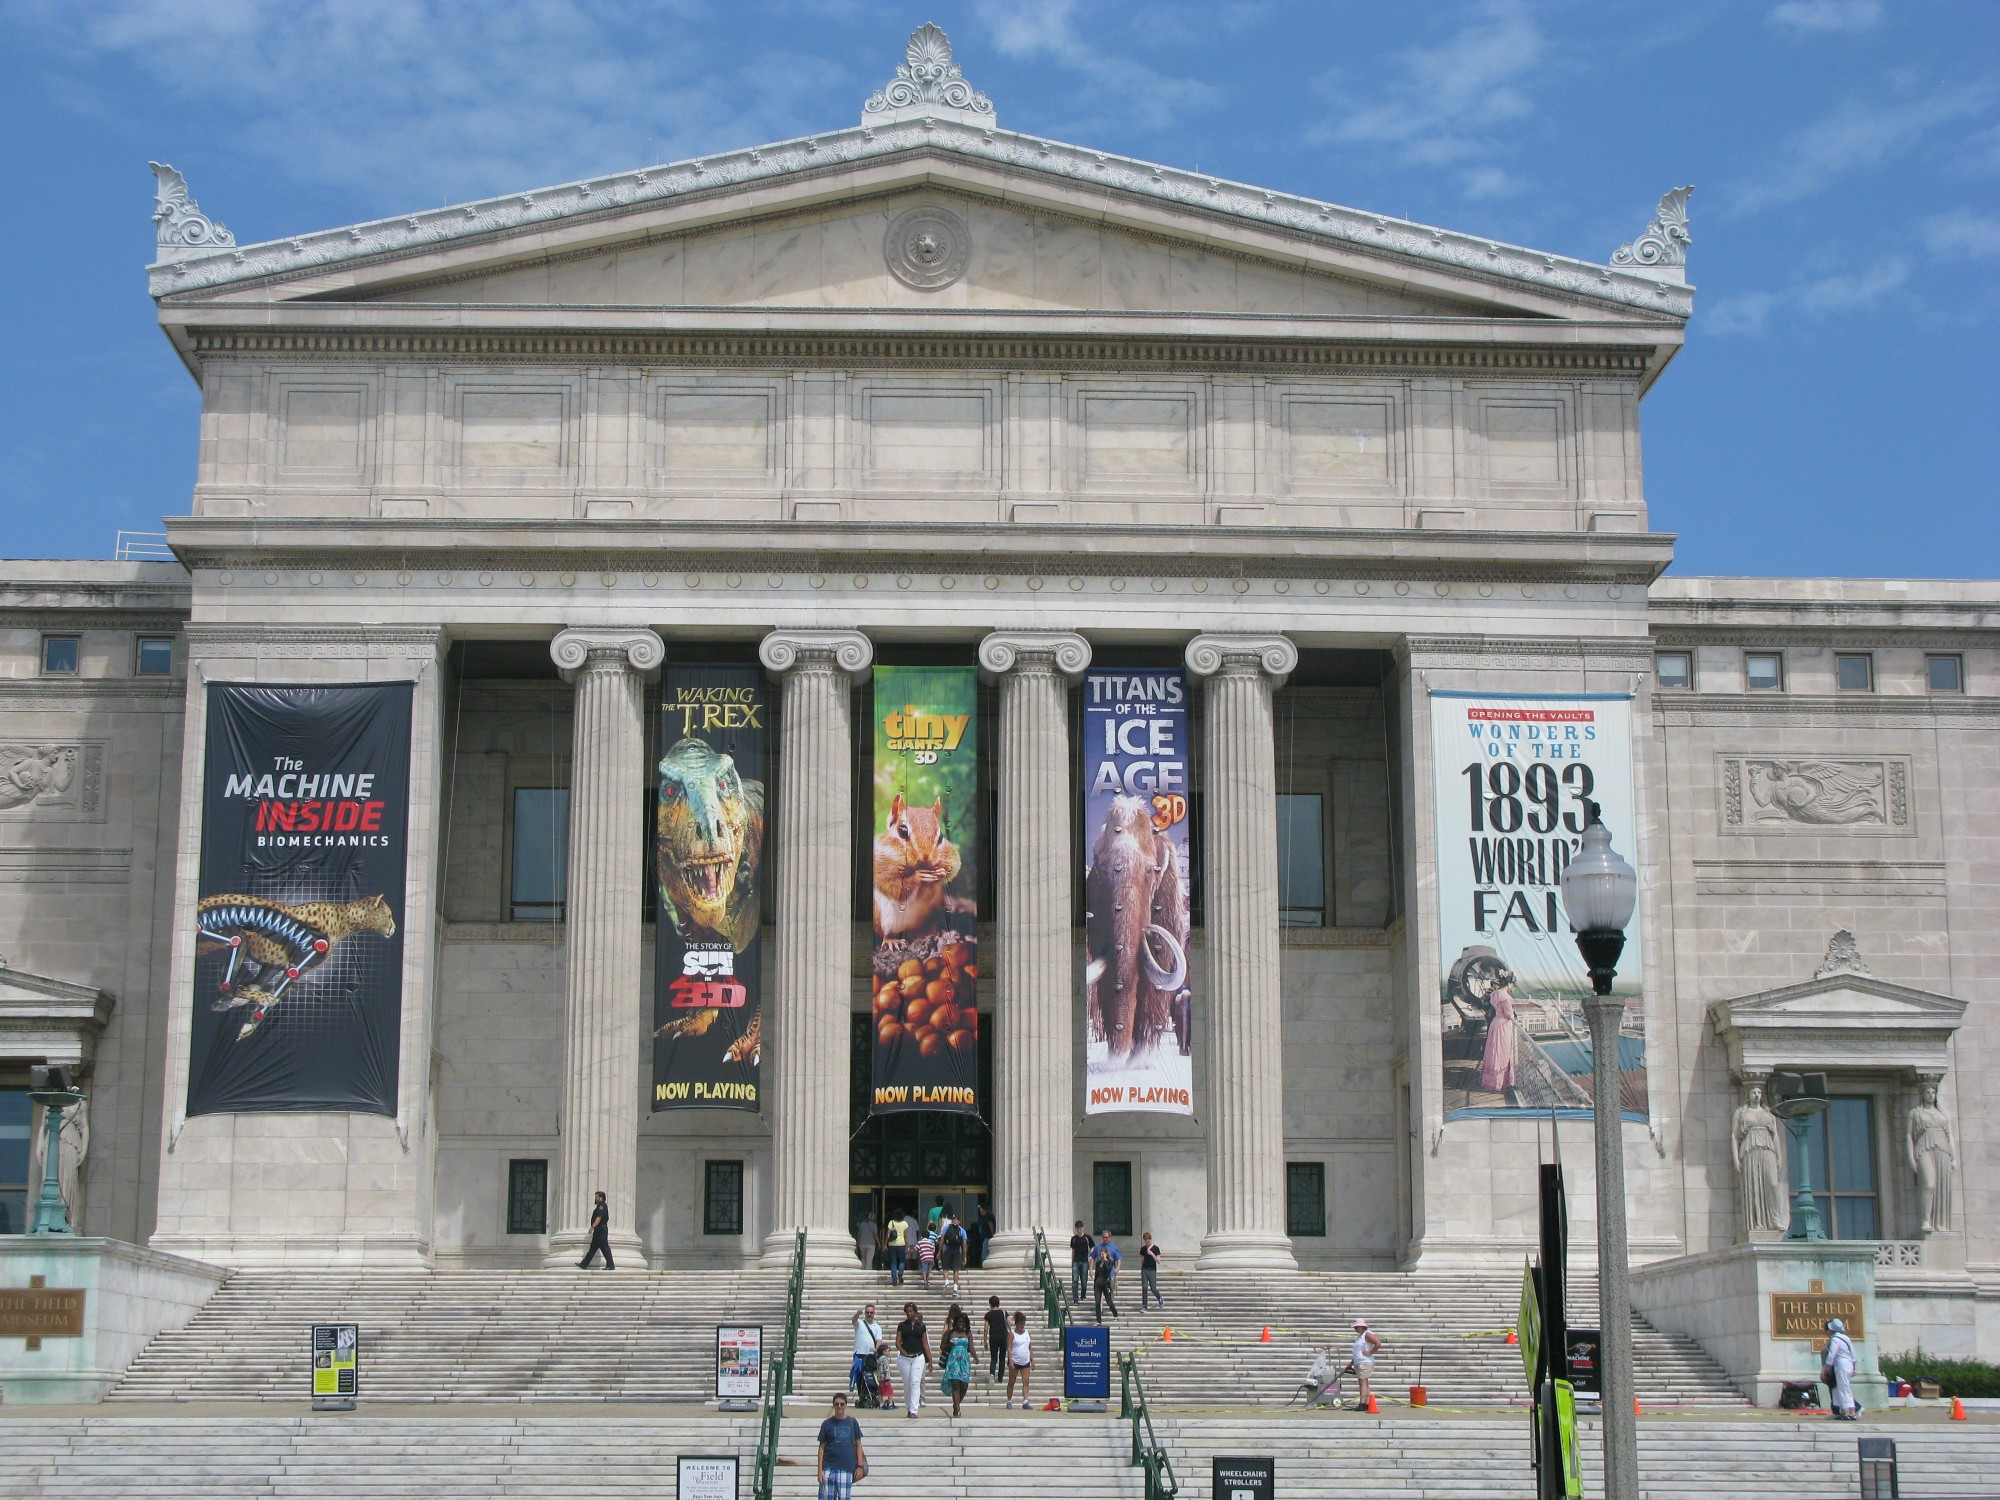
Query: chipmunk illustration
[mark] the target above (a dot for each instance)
(267, 937)
(915, 860)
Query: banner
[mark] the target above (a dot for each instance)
(298, 947)
(708, 857)
(1139, 1021)
(1513, 775)
(926, 861)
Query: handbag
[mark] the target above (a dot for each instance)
(1826, 1376)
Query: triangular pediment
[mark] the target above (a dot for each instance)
(48, 1020)
(1842, 1020)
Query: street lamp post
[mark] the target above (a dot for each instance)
(1599, 892)
(51, 1089)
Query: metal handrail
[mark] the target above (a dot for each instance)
(1160, 1481)
(795, 1296)
(1055, 1294)
(768, 1429)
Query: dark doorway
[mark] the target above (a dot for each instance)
(903, 1163)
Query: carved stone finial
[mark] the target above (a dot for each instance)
(927, 83)
(1663, 246)
(1843, 956)
(183, 227)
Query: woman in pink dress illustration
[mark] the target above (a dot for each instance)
(1496, 1067)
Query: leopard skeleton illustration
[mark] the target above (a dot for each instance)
(265, 937)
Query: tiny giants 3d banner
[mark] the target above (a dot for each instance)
(708, 856)
(1513, 777)
(926, 863)
(1138, 1019)
(298, 965)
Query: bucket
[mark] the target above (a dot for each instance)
(1419, 1396)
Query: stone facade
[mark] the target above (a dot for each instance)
(915, 386)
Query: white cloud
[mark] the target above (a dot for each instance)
(1819, 295)
(1747, 312)
(1827, 15)
(1129, 91)
(1963, 235)
(1857, 136)
(1444, 105)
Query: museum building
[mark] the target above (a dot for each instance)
(924, 401)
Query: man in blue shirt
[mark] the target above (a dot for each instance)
(840, 1454)
(1105, 1260)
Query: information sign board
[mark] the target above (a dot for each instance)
(336, 1351)
(1087, 1362)
(739, 1362)
(705, 1476)
(1803, 1315)
(1238, 1478)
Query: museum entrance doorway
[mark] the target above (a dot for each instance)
(903, 1163)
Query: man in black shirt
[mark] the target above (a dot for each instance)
(1079, 1262)
(600, 1236)
(996, 1338)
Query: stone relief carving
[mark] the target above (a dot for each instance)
(928, 78)
(182, 224)
(1774, 793)
(1760, 1163)
(1843, 956)
(1665, 240)
(926, 248)
(62, 780)
(1929, 1143)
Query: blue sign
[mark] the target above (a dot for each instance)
(1087, 1362)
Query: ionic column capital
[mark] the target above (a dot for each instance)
(1274, 656)
(585, 647)
(1004, 651)
(848, 651)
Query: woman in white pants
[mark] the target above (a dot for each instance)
(1837, 1370)
(913, 1356)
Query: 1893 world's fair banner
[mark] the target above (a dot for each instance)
(708, 856)
(926, 857)
(1513, 777)
(299, 911)
(1138, 1039)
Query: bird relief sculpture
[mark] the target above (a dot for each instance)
(1825, 792)
(34, 773)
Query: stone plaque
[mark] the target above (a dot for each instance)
(1803, 1315)
(41, 1313)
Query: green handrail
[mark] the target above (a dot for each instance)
(1055, 1295)
(768, 1429)
(795, 1296)
(1160, 1481)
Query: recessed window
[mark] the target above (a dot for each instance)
(1111, 1196)
(540, 880)
(60, 654)
(156, 656)
(1840, 1144)
(1674, 669)
(1305, 1199)
(1854, 671)
(15, 1116)
(528, 1197)
(1301, 860)
(1946, 674)
(722, 1197)
(1764, 671)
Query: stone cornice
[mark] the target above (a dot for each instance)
(63, 692)
(641, 651)
(85, 617)
(1273, 655)
(1675, 707)
(1002, 651)
(597, 201)
(210, 636)
(847, 651)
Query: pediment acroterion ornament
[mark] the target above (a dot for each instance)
(183, 227)
(928, 82)
(1843, 956)
(1663, 246)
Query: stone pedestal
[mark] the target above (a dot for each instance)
(806, 1022)
(1244, 1035)
(602, 1026)
(1033, 1112)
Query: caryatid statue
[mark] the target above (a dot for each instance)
(1931, 1159)
(1760, 1162)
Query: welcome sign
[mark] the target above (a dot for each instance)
(1514, 779)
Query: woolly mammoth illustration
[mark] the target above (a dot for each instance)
(1135, 929)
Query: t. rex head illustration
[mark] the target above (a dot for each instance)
(710, 824)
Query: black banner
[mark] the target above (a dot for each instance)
(708, 856)
(298, 951)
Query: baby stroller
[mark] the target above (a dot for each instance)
(868, 1388)
(1321, 1386)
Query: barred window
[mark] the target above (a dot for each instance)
(528, 1196)
(722, 1198)
(1111, 1196)
(1305, 1199)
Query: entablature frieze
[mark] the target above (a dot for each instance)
(1593, 653)
(1678, 709)
(277, 640)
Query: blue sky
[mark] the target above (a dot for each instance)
(1834, 412)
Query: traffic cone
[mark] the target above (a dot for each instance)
(1635, 1408)
(1167, 1334)
(1267, 1335)
(1957, 1410)
(1512, 1337)
(1373, 1409)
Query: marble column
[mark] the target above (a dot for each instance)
(602, 1025)
(1244, 1036)
(807, 1017)
(1033, 1111)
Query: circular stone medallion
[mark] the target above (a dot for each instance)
(926, 248)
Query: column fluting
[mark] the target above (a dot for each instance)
(1032, 1111)
(1246, 1145)
(806, 1023)
(602, 1025)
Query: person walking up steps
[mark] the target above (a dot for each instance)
(926, 1256)
(1149, 1271)
(913, 1356)
(996, 1339)
(1366, 1344)
(899, 1248)
(600, 1236)
(1079, 1262)
(1106, 1258)
(1021, 1362)
(841, 1459)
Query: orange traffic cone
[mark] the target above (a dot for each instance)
(1957, 1410)
(1373, 1409)
(1267, 1335)
(1635, 1408)
(1167, 1334)
(1512, 1337)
